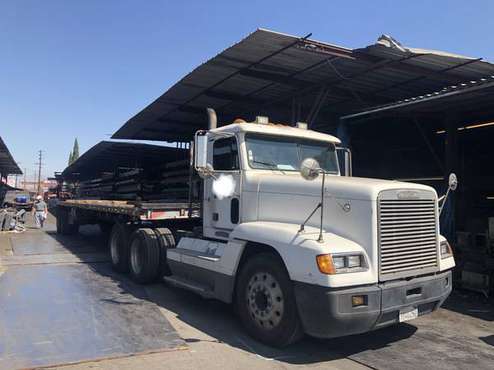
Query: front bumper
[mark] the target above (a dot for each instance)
(328, 312)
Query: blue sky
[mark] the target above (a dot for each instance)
(82, 68)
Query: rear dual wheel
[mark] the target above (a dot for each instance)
(119, 246)
(141, 252)
(144, 256)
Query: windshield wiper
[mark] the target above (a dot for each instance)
(270, 164)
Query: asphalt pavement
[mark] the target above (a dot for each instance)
(162, 327)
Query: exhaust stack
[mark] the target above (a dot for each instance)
(212, 119)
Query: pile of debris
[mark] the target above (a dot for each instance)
(12, 220)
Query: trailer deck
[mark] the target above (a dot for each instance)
(137, 210)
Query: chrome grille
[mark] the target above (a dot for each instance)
(407, 236)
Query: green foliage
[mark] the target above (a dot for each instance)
(75, 151)
(74, 154)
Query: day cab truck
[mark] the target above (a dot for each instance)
(279, 232)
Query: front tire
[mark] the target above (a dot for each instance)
(266, 302)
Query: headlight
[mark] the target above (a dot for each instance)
(331, 264)
(446, 250)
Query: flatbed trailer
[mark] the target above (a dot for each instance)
(73, 213)
(136, 211)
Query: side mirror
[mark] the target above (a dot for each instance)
(345, 161)
(452, 186)
(453, 181)
(309, 169)
(200, 150)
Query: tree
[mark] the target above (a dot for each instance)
(75, 151)
(74, 154)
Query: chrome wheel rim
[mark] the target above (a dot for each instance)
(265, 300)
(115, 258)
(135, 257)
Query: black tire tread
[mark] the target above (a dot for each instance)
(166, 241)
(123, 247)
(291, 329)
(150, 247)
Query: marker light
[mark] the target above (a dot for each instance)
(262, 120)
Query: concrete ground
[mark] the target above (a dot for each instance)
(458, 336)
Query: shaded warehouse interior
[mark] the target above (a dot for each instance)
(425, 138)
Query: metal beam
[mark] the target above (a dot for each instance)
(333, 83)
(232, 97)
(411, 80)
(277, 78)
(429, 145)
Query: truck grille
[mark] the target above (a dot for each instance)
(407, 236)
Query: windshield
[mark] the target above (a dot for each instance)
(286, 154)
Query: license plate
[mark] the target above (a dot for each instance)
(409, 315)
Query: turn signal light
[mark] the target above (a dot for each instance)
(325, 264)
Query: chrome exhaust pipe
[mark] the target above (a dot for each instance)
(212, 119)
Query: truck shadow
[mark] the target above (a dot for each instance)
(215, 321)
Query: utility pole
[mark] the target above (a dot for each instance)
(25, 177)
(40, 163)
(17, 176)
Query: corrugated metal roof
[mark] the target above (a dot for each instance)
(266, 72)
(106, 156)
(8, 166)
(475, 96)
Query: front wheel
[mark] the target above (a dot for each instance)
(266, 302)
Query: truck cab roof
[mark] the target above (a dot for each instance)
(277, 130)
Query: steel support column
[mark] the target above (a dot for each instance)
(448, 216)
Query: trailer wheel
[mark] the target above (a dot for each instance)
(166, 241)
(144, 256)
(63, 226)
(266, 302)
(59, 222)
(119, 247)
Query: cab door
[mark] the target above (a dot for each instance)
(222, 213)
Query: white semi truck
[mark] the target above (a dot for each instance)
(281, 234)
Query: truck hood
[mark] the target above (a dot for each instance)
(351, 188)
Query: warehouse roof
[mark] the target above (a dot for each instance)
(266, 72)
(8, 166)
(472, 97)
(106, 156)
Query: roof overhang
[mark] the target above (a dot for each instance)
(8, 165)
(291, 78)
